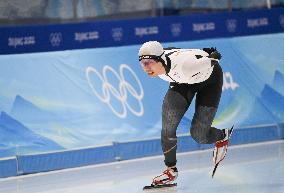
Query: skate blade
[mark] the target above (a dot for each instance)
(159, 186)
(214, 170)
(231, 131)
(216, 165)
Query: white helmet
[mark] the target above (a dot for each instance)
(151, 49)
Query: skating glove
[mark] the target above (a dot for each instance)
(213, 53)
(209, 50)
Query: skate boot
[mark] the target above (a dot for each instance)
(166, 178)
(221, 148)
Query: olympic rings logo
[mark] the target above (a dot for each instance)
(55, 39)
(121, 93)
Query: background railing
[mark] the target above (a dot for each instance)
(54, 11)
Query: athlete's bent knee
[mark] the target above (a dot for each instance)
(199, 134)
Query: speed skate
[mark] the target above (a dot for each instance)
(164, 180)
(221, 148)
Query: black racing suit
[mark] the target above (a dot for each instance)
(177, 101)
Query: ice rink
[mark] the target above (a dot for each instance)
(252, 168)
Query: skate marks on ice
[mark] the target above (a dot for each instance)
(160, 190)
(172, 189)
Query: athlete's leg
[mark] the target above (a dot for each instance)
(201, 129)
(175, 104)
(207, 101)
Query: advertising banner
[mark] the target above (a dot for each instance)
(43, 38)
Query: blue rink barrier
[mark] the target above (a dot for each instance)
(26, 164)
(8, 167)
(137, 149)
(281, 128)
(64, 159)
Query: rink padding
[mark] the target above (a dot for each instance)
(8, 167)
(137, 149)
(281, 128)
(125, 151)
(26, 164)
(64, 159)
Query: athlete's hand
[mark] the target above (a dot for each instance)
(215, 55)
(209, 50)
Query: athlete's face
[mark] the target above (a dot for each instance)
(152, 67)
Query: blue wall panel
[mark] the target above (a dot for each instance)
(137, 149)
(8, 167)
(64, 159)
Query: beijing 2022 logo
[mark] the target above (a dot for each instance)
(106, 91)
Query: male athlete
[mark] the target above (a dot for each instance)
(190, 72)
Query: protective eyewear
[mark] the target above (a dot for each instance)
(147, 62)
